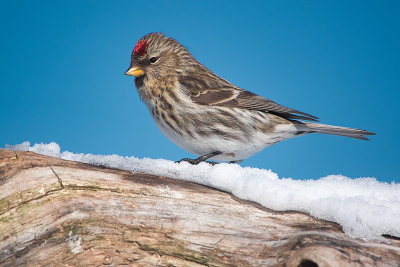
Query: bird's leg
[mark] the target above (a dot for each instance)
(235, 161)
(201, 158)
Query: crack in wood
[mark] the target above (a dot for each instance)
(31, 199)
(58, 177)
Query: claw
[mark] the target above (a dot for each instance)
(201, 159)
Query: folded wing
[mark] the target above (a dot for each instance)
(234, 97)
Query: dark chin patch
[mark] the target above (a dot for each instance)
(139, 81)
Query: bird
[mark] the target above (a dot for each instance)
(208, 116)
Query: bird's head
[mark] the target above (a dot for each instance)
(156, 56)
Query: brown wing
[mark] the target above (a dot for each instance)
(230, 96)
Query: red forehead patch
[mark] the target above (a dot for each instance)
(140, 48)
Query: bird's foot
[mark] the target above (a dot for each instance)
(196, 161)
(201, 158)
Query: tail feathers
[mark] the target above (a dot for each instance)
(334, 130)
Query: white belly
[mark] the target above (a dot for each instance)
(232, 149)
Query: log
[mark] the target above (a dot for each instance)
(56, 212)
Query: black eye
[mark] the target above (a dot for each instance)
(153, 59)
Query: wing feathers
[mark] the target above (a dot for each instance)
(213, 97)
(252, 101)
(216, 91)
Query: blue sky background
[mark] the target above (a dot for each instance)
(62, 66)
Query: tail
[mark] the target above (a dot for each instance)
(311, 127)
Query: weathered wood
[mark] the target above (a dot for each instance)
(60, 213)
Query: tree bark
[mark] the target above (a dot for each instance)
(55, 212)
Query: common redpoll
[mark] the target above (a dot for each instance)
(207, 115)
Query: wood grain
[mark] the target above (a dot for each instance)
(55, 212)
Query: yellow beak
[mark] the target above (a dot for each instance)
(134, 71)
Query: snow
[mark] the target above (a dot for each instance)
(365, 207)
